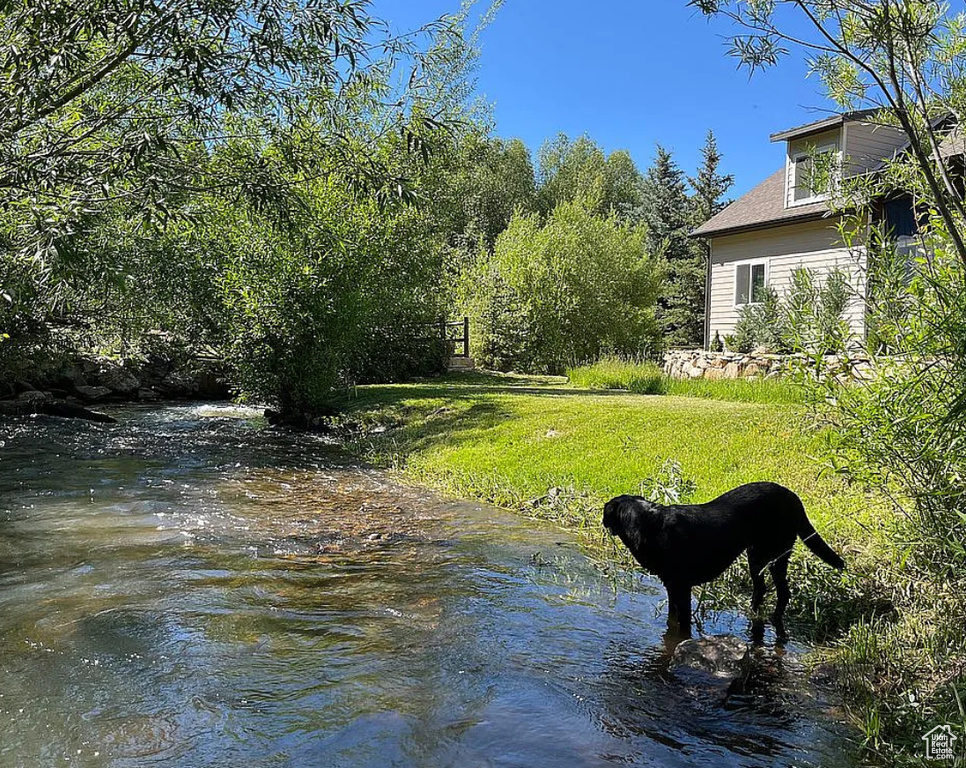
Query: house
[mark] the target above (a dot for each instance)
(782, 224)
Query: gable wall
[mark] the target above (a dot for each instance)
(814, 245)
(867, 145)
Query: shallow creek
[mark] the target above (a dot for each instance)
(191, 587)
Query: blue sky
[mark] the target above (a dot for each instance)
(631, 74)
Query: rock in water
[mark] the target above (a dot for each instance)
(72, 411)
(32, 397)
(92, 393)
(722, 656)
(716, 666)
(48, 407)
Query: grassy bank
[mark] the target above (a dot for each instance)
(541, 446)
(548, 449)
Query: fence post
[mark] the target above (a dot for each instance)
(466, 336)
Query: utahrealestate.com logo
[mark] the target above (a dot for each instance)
(939, 743)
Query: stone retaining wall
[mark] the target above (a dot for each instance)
(698, 364)
(96, 380)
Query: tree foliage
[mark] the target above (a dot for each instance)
(563, 292)
(708, 198)
(665, 211)
(238, 174)
(131, 106)
(578, 168)
(477, 186)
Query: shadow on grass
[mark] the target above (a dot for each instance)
(493, 378)
(443, 426)
(758, 392)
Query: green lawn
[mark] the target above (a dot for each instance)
(508, 439)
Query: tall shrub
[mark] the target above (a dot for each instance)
(561, 293)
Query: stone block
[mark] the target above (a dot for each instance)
(117, 379)
(93, 394)
(33, 396)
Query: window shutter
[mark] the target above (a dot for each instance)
(742, 283)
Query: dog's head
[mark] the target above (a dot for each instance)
(631, 516)
(614, 511)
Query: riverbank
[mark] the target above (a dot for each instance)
(541, 447)
(544, 448)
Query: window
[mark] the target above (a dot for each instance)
(750, 283)
(899, 216)
(812, 173)
(901, 222)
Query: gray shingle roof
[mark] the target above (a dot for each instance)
(953, 143)
(763, 206)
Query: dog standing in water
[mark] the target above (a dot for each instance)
(689, 544)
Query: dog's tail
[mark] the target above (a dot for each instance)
(818, 545)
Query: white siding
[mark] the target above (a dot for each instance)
(867, 145)
(814, 245)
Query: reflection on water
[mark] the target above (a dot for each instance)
(193, 588)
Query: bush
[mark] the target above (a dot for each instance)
(562, 293)
(760, 325)
(813, 316)
(337, 300)
(901, 432)
(809, 318)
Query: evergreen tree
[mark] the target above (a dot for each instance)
(708, 198)
(665, 209)
(709, 186)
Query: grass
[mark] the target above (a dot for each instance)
(540, 446)
(646, 378)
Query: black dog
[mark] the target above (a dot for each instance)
(689, 544)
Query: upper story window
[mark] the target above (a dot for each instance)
(811, 172)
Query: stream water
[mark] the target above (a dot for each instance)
(191, 587)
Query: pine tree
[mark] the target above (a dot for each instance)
(665, 209)
(708, 198)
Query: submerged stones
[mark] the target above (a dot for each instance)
(724, 656)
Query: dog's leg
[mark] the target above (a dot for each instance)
(757, 569)
(779, 573)
(679, 608)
